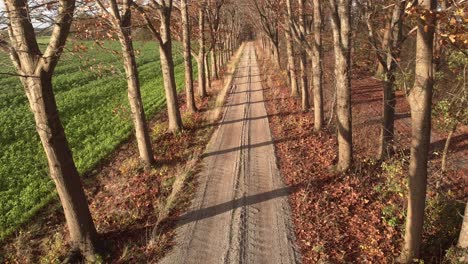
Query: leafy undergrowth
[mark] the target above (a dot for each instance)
(128, 202)
(357, 217)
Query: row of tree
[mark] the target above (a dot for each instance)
(387, 24)
(217, 31)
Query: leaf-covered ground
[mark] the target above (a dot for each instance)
(358, 217)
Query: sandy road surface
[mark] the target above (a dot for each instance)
(240, 212)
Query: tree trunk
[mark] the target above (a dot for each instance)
(380, 72)
(420, 99)
(446, 147)
(83, 234)
(207, 71)
(438, 59)
(303, 63)
(222, 55)
(388, 119)
(134, 97)
(304, 83)
(189, 93)
(277, 55)
(167, 66)
(231, 46)
(317, 68)
(342, 48)
(201, 54)
(214, 65)
(463, 239)
(36, 70)
(218, 58)
(290, 52)
(392, 47)
(291, 65)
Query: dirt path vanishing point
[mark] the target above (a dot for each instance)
(240, 213)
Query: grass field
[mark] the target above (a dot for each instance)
(94, 110)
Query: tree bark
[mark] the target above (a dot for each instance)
(385, 44)
(222, 55)
(36, 70)
(392, 46)
(277, 55)
(304, 83)
(342, 48)
(317, 68)
(420, 99)
(463, 239)
(290, 53)
(214, 65)
(201, 54)
(207, 71)
(303, 63)
(167, 66)
(189, 93)
(136, 104)
(122, 24)
(388, 118)
(83, 234)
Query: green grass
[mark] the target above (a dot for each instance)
(93, 109)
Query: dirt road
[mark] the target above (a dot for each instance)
(240, 212)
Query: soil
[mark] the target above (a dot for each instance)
(240, 212)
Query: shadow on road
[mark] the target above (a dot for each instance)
(233, 204)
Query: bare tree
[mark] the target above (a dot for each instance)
(202, 74)
(268, 22)
(190, 95)
(303, 59)
(35, 70)
(213, 16)
(120, 17)
(463, 238)
(290, 51)
(163, 9)
(420, 100)
(300, 31)
(340, 16)
(388, 53)
(317, 67)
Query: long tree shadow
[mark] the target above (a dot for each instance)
(367, 90)
(255, 102)
(455, 143)
(248, 82)
(252, 75)
(249, 119)
(249, 91)
(250, 146)
(218, 209)
(378, 121)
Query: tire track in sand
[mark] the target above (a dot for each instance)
(240, 212)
